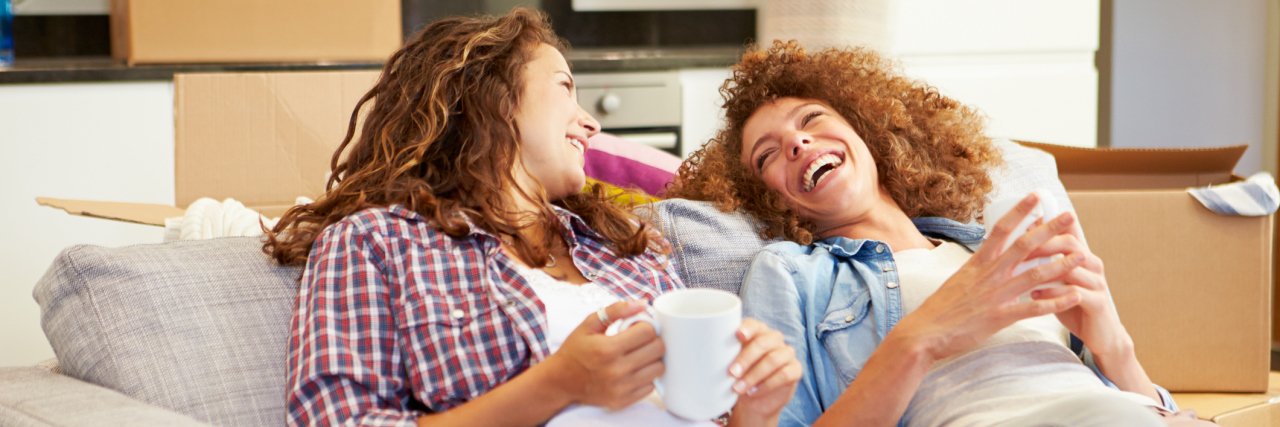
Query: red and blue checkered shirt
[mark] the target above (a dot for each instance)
(396, 319)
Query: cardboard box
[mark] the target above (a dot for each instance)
(1192, 287)
(263, 139)
(1236, 409)
(186, 31)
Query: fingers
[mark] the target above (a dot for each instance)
(1064, 244)
(766, 361)
(594, 323)
(1043, 274)
(1022, 248)
(1067, 297)
(1006, 227)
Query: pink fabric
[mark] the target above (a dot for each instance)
(630, 165)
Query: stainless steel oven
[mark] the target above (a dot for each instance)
(641, 107)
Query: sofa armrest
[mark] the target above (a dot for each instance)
(32, 396)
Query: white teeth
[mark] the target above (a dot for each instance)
(576, 144)
(826, 159)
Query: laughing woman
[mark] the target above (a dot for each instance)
(457, 275)
(900, 313)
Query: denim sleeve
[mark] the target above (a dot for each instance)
(769, 294)
(1166, 399)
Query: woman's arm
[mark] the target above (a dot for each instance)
(1095, 320)
(589, 368)
(976, 302)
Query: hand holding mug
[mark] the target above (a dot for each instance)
(610, 371)
(767, 371)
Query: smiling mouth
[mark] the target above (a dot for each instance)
(818, 170)
(576, 144)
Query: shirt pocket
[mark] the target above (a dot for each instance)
(459, 347)
(847, 334)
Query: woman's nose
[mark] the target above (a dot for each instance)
(797, 143)
(588, 122)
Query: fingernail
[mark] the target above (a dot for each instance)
(745, 333)
(1077, 258)
(1035, 294)
(753, 391)
(735, 370)
(739, 386)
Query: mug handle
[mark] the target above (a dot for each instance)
(643, 317)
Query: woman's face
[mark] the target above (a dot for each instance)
(810, 155)
(553, 128)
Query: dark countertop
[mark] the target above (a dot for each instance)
(587, 60)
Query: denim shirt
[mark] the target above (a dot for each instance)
(834, 301)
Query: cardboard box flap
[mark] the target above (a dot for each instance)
(139, 213)
(260, 138)
(1126, 168)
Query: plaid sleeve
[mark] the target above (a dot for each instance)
(343, 363)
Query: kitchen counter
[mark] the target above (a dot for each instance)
(587, 60)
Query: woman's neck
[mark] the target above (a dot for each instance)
(885, 222)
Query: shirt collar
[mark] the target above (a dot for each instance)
(568, 220)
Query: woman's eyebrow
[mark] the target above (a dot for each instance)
(570, 76)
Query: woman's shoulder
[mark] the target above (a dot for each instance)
(389, 223)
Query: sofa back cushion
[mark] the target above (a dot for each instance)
(198, 327)
(712, 249)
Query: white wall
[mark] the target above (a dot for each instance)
(1029, 66)
(1190, 73)
(106, 141)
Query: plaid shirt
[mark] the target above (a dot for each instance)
(397, 319)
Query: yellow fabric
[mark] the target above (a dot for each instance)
(623, 196)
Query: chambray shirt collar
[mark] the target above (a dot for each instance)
(969, 235)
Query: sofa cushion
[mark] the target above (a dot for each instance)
(197, 327)
(33, 396)
(712, 248)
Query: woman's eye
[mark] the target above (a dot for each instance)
(568, 86)
(760, 160)
(809, 117)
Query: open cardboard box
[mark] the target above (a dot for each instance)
(1192, 287)
(263, 139)
(168, 31)
(1236, 409)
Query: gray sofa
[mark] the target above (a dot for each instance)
(196, 332)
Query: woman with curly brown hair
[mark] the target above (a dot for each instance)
(454, 257)
(900, 313)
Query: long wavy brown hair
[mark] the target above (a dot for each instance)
(439, 138)
(929, 150)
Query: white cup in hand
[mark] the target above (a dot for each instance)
(699, 329)
(1046, 209)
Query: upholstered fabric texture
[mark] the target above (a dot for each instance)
(197, 327)
(712, 248)
(35, 397)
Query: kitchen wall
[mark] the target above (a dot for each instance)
(1191, 73)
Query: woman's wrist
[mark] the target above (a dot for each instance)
(743, 417)
(553, 376)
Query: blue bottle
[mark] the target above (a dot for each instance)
(6, 33)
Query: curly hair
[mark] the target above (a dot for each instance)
(439, 138)
(929, 150)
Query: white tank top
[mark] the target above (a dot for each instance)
(1019, 369)
(567, 305)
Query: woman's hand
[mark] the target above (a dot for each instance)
(982, 297)
(767, 373)
(1094, 320)
(610, 371)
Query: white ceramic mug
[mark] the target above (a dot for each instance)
(699, 329)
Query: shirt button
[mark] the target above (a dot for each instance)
(509, 303)
(458, 314)
(848, 319)
(888, 267)
(892, 285)
(879, 249)
(591, 276)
